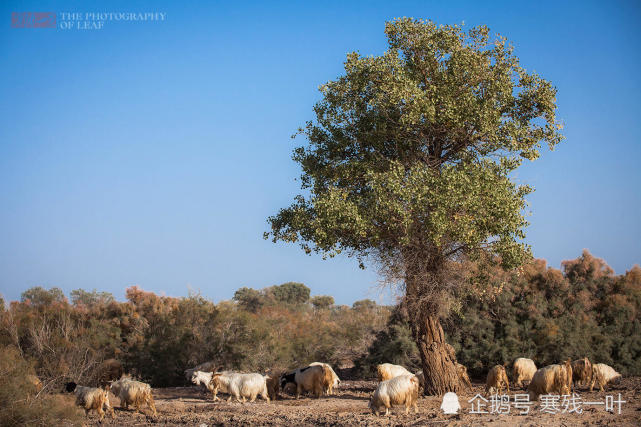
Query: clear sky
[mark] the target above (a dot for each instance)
(151, 153)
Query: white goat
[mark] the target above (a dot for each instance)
(245, 386)
(202, 378)
(602, 375)
(401, 390)
(387, 371)
(203, 367)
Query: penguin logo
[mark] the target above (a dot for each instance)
(450, 403)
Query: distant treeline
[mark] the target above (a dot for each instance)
(157, 337)
(541, 313)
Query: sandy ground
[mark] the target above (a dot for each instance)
(192, 406)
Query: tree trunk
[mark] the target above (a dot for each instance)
(437, 356)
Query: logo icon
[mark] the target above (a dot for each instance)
(33, 20)
(450, 403)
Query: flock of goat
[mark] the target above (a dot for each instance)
(129, 391)
(560, 379)
(397, 385)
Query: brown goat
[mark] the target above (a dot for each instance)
(582, 372)
(496, 379)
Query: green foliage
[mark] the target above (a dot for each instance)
(21, 405)
(413, 149)
(249, 299)
(322, 302)
(543, 314)
(365, 304)
(290, 293)
(173, 334)
(40, 296)
(90, 299)
(394, 344)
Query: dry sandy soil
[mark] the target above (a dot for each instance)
(192, 406)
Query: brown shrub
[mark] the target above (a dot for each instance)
(21, 405)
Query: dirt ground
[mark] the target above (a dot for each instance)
(192, 406)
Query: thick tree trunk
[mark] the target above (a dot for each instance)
(439, 360)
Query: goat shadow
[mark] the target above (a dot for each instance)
(344, 396)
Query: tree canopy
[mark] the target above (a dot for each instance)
(291, 293)
(250, 299)
(415, 147)
(41, 296)
(322, 302)
(90, 299)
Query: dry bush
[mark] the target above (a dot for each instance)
(21, 404)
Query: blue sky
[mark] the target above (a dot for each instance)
(151, 153)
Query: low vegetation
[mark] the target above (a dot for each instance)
(541, 313)
(20, 402)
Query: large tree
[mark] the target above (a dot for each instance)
(408, 165)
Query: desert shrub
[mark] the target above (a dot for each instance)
(249, 299)
(66, 343)
(393, 344)
(322, 302)
(365, 304)
(80, 297)
(21, 404)
(543, 313)
(38, 296)
(549, 315)
(289, 336)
